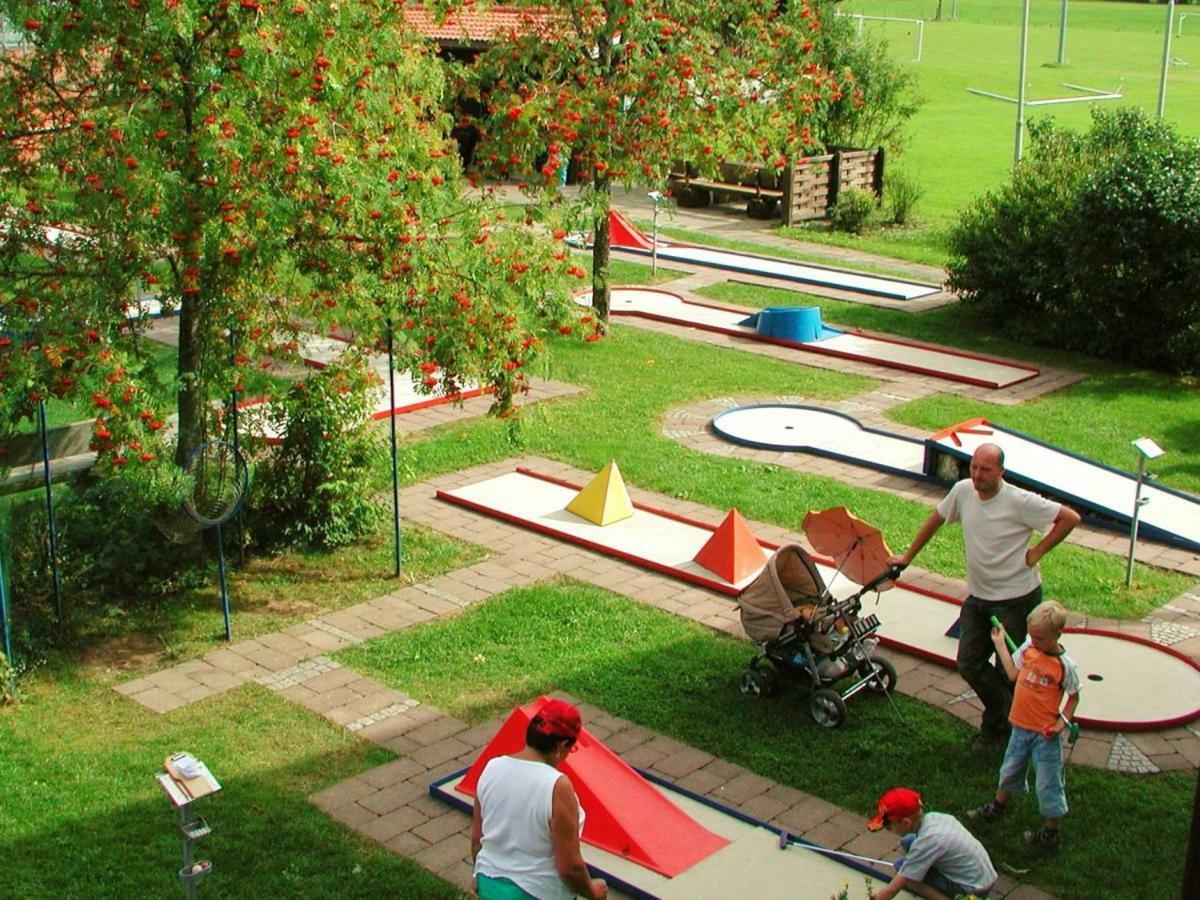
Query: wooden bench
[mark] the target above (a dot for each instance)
(726, 187)
(695, 192)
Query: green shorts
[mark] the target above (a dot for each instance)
(490, 888)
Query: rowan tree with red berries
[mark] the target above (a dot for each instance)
(261, 165)
(627, 86)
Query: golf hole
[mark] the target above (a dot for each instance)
(1095, 677)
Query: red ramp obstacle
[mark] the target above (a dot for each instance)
(623, 233)
(626, 815)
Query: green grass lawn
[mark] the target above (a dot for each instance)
(920, 241)
(680, 679)
(879, 243)
(959, 144)
(83, 815)
(267, 594)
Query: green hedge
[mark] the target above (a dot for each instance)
(1094, 244)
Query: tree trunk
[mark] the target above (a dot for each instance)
(601, 247)
(190, 403)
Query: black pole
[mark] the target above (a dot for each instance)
(1191, 866)
(395, 465)
(233, 424)
(7, 637)
(50, 510)
(224, 588)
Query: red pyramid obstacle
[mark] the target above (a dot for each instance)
(626, 815)
(733, 552)
(623, 233)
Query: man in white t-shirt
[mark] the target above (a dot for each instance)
(1003, 580)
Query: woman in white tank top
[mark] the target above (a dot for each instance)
(527, 820)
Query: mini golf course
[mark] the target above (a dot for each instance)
(628, 237)
(652, 840)
(801, 329)
(1130, 684)
(1103, 494)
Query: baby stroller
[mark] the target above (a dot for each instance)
(804, 632)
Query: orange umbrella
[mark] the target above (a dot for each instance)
(856, 546)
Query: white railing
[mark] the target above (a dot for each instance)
(920, 23)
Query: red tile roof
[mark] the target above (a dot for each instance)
(469, 26)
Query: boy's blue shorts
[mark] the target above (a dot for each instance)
(1024, 747)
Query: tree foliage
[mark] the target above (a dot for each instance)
(879, 94)
(259, 164)
(627, 87)
(1094, 244)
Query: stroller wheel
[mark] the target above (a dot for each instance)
(759, 683)
(885, 675)
(827, 708)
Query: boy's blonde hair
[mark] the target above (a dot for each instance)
(1050, 614)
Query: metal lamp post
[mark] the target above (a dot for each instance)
(657, 197)
(1146, 449)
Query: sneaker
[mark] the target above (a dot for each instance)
(989, 812)
(1046, 838)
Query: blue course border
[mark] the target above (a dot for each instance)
(438, 791)
(1096, 515)
(664, 253)
(714, 425)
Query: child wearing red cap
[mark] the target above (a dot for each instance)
(941, 858)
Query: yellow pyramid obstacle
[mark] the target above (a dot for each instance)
(605, 499)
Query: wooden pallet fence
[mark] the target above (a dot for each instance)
(813, 183)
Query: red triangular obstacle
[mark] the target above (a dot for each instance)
(733, 552)
(626, 815)
(623, 233)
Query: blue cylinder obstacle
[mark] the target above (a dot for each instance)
(790, 323)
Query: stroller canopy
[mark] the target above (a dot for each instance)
(789, 579)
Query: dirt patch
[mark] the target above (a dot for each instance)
(287, 607)
(126, 652)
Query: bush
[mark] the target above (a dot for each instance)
(900, 196)
(314, 489)
(878, 92)
(1094, 245)
(854, 211)
(110, 551)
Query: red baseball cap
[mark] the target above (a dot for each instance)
(898, 803)
(557, 718)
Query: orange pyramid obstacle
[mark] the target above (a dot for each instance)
(604, 499)
(733, 552)
(626, 815)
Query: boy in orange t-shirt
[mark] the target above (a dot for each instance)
(1044, 674)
